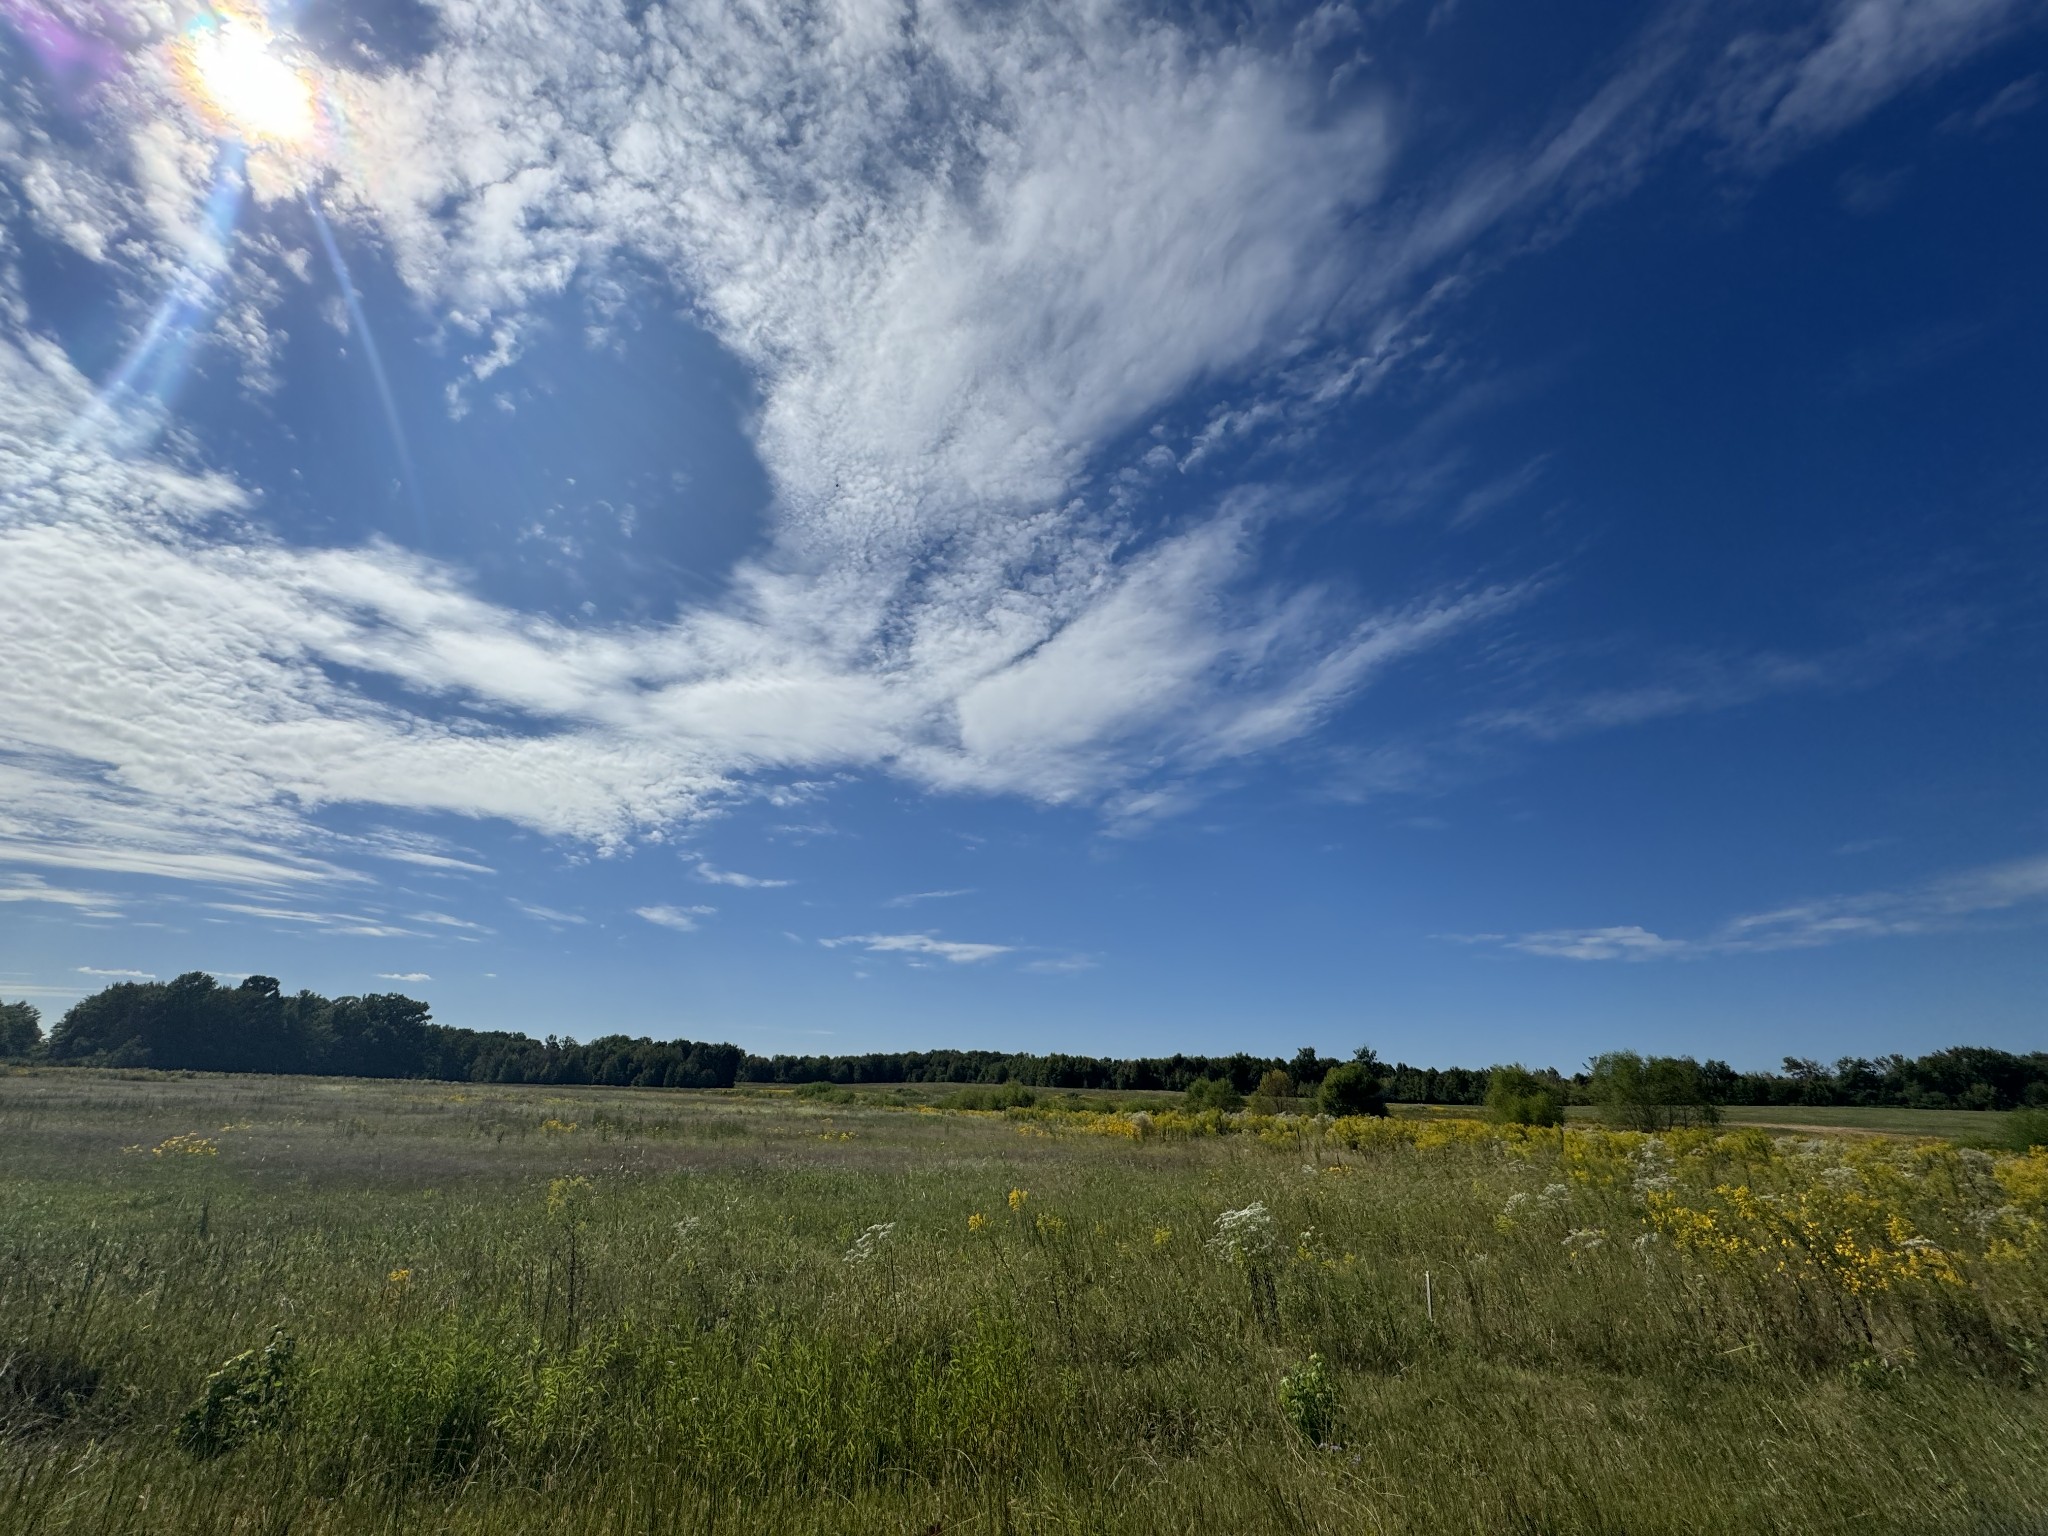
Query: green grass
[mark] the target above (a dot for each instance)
(651, 1322)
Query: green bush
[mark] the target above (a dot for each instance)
(1012, 1095)
(1214, 1093)
(1352, 1089)
(244, 1397)
(1274, 1090)
(1309, 1399)
(826, 1093)
(1517, 1096)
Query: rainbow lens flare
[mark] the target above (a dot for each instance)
(232, 69)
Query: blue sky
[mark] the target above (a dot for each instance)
(854, 527)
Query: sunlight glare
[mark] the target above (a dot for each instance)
(237, 78)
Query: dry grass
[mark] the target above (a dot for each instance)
(649, 1321)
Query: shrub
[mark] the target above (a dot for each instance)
(1274, 1089)
(1517, 1096)
(2025, 1129)
(1214, 1093)
(1309, 1399)
(244, 1397)
(1352, 1089)
(1011, 1095)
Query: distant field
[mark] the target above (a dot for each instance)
(339, 1307)
(1966, 1125)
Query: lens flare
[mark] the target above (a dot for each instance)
(234, 73)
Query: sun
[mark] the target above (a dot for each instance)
(231, 68)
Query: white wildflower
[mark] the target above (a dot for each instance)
(1653, 1167)
(1585, 1239)
(1243, 1236)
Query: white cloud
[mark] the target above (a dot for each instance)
(1937, 906)
(1617, 943)
(960, 251)
(34, 888)
(1065, 965)
(94, 970)
(681, 919)
(548, 914)
(1813, 83)
(713, 876)
(345, 924)
(444, 920)
(921, 944)
(913, 897)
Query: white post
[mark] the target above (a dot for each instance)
(1428, 1297)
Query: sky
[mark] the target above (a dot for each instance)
(1499, 532)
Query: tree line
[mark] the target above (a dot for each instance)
(194, 1023)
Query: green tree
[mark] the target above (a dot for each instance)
(1354, 1088)
(1650, 1093)
(1517, 1096)
(1274, 1088)
(21, 1029)
(1307, 1069)
(1214, 1093)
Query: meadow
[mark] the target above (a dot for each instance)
(259, 1304)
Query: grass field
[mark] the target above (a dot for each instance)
(269, 1305)
(1962, 1125)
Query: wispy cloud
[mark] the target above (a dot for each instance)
(681, 919)
(1706, 683)
(1061, 224)
(434, 860)
(548, 914)
(403, 976)
(94, 970)
(1786, 91)
(1063, 965)
(714, 876)
(34, 888)
(445, 920)
(2019, 888)
(922, 944)
(914, 897)
(352, 925)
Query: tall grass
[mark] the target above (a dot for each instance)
(586, 1311)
